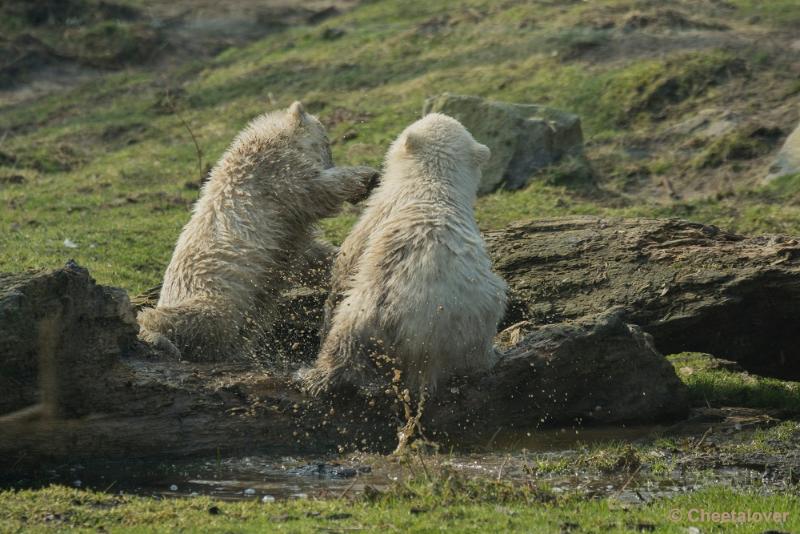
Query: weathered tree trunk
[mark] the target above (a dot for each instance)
(63, 332)
(591, 371)
(575, 355)
(692, 287)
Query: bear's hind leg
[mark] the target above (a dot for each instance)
(199, 329)
(344, 361)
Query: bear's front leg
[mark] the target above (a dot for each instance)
(339, 184)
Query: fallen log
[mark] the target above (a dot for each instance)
(599, 371)
(587, 294)
(693, 287)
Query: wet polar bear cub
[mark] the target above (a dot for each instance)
(412, 283)
(252, 224)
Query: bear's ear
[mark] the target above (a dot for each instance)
(413, 143)
(481, 154)
(296, 111)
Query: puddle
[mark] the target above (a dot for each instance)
(246, 477)
(518, 457)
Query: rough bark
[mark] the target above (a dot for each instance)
(692, 287)
(599, 371)
(66, 325)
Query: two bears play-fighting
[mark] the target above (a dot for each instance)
(412, 289)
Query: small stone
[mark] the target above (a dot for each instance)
(173, 488)
(267, 498)
(69, 243)
(249, 491)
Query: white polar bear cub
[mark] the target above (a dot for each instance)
(413, 284)
(251, 227)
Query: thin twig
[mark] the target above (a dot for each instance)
(625, 485)
(348, 488)
(500, 471)
(703, 437)
(491, 440)
(178, 114)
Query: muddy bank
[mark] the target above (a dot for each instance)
(142, 406)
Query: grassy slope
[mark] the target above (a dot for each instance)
(105, 165)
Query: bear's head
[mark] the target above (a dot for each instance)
(442, 143)
(309, 134)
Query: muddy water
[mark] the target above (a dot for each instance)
(507, 456)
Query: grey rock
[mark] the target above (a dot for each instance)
(788, 160)
(524, 138)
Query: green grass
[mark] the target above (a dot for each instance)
(709, 384)
(418, 508)
(782, 12)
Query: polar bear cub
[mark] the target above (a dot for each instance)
(413, 287)
(254, 221)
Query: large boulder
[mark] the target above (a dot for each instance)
(524, 138)
(788, 160)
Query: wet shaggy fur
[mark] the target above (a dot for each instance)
(253, 223)
(412, 285)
